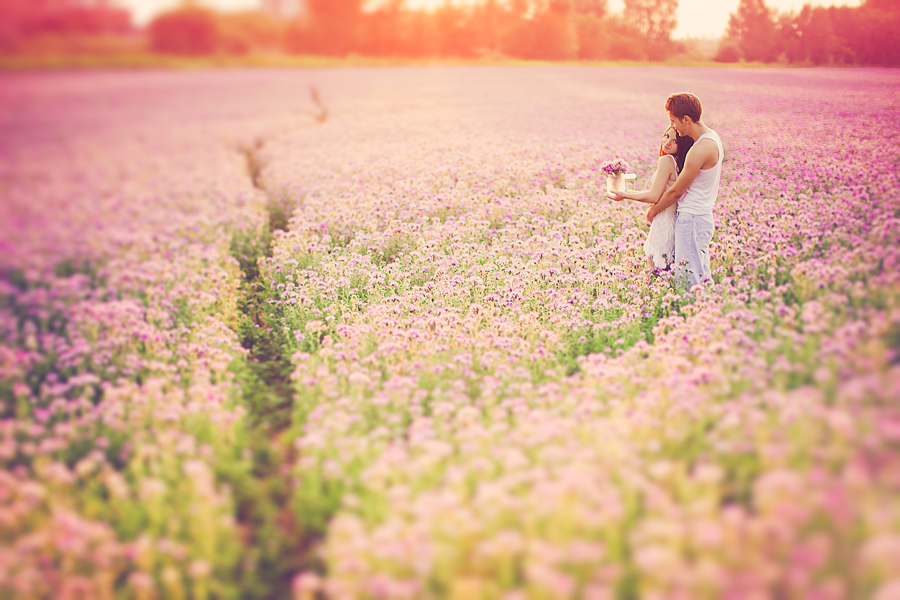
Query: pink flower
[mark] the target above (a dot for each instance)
(305, 585)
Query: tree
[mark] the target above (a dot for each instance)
(541, 29)
(752, 27)
(519, 8)
(595, 8)
(592, 37)
(728, 51)
(885, 6)
(879, 20)
(819, 41)
(787, 38)
(555, 37)
(334, 25)
(653, 22)
(380, 29)
(607, 38)
(451, 28)
(653, 19)
(247, 31)
(844, 35)
(188, 31)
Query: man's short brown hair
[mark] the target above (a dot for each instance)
(684, 104)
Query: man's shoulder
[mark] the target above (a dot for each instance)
(706, 147)
(703, 147)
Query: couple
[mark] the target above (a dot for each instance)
(690, 167)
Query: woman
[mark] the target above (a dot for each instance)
(660, 244)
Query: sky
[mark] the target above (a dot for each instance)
(696, 18)
(709, 18)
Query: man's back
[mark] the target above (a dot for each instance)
(700, 197)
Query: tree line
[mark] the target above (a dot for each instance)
(527, 29)
(23, 19)
(835, 35)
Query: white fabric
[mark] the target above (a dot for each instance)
(700, 197)
(660, 244)
(692, 236)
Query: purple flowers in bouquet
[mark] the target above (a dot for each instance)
(616, 166)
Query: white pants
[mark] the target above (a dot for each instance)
(692, 236)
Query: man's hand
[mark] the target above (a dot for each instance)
(615, 197)
(651, 212)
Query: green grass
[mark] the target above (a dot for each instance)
(280, 545)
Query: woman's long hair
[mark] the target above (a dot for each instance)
(684, 144)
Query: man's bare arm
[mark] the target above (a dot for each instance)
(696, 158)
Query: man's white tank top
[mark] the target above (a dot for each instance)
(700, 197)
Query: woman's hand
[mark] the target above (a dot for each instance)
(614, 196)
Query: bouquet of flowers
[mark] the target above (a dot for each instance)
(616, 166)
(615, 170)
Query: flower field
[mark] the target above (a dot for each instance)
(389, 339)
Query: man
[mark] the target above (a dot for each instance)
(698, 183)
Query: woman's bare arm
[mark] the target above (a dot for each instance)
(664, 171)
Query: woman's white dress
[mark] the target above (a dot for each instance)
(660, 244)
